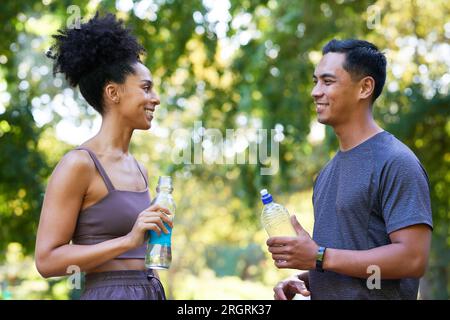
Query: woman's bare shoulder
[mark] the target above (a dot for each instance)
(77, 164)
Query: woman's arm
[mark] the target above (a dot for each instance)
(62, 202)
(63, 199)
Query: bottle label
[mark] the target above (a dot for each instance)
(163, 239)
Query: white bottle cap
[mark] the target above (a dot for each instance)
(263, 192)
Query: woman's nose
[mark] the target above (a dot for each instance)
(154, 98)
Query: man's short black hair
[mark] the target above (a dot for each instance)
(101, 50)
(362, 59)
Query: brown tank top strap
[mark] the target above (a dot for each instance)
(100, 168)
(143, 175)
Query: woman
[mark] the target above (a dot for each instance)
(97, 196)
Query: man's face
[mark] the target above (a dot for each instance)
(335, 93)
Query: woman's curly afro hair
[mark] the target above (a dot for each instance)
(101, 50)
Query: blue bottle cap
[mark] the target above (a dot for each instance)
(266, 197)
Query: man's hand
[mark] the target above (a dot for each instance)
(294, 252)
(288, 288)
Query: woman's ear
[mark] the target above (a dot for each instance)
(367, 87)
(112, 92)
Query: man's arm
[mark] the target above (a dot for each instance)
(405, 257)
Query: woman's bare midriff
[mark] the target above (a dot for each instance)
(120, 265)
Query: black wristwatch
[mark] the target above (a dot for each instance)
(319, 259)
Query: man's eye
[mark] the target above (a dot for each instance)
(146, 89)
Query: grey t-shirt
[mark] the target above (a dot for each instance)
(360, 197)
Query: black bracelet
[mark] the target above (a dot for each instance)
(319, 259)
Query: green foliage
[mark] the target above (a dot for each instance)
(428, 136)
(23, 171)
(19, 278)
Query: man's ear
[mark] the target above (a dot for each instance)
(112, 92)
(367, 86)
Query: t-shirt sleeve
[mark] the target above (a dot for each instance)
(405, 193)
(314, 187)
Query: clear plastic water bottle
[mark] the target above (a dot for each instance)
(159, 248)
(275, 218)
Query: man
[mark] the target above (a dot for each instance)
(371, 201)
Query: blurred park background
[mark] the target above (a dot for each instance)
(230, 64)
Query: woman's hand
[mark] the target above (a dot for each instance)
(152, 218)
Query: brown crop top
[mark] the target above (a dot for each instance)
(113, 216)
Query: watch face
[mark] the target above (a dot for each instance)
(319, 259)
(320, 253)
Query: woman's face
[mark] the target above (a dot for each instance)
(138, 99)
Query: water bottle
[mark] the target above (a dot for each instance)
(159, 250)
(275, 218)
